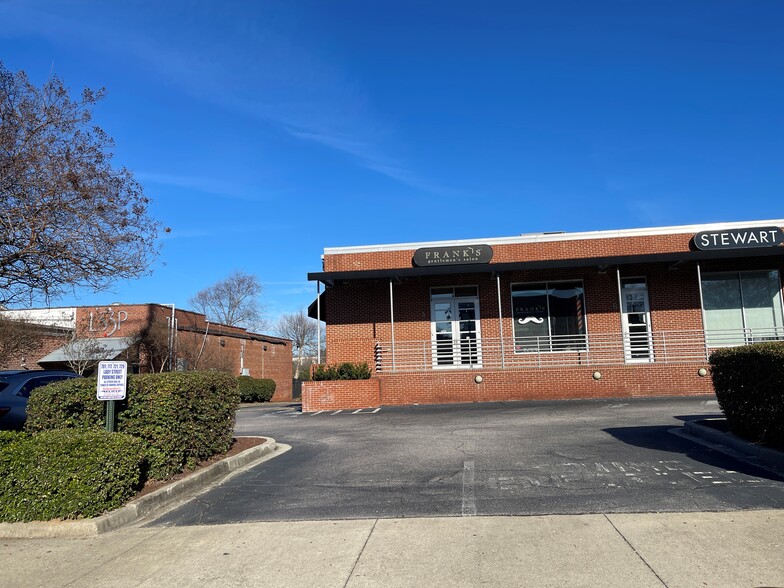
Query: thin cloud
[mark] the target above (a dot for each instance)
(198, 184)
(328, 110)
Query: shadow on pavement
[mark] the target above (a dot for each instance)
(660, 439)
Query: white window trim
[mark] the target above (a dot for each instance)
(434, 342)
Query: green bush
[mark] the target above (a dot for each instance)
(749, 385)
(66, 404)
(67, 474)
(255, 389)
(182, 417)
(342, 371)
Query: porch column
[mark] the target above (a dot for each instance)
(392, 322)
(318, 321)
(500, 320)
(702, 313)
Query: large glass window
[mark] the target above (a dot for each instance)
(548, 316)
(742, 307)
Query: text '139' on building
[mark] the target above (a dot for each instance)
(620, 313)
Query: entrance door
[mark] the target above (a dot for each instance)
(455, 333)
(636, 320)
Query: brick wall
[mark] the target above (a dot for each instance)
(340, 394)
(48, 341)
(358, 315)
(198, 344)
(543, 384)
(548, 250)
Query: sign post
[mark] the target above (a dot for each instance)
(112, 385)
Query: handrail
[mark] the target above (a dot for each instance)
(597, 349)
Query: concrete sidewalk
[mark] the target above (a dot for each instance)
(691, 549)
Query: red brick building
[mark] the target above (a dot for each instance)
(550, 315)
(152, 338)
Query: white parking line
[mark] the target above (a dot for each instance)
(469, 499)
(356, 411)
(315, 413)
(337, 411)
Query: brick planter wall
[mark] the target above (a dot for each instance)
(544, 384)
(340, 394)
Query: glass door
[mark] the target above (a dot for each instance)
(455, 327)
(636, 320)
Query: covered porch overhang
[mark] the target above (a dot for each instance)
(602, 264)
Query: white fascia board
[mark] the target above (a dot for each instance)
(553, 237)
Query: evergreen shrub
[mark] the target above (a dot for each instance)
(67, 473)
(182, 417)
(749, 385)
(342, 371)
(255, 389)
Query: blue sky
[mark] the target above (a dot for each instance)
(266, 131)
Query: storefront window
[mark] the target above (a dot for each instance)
(548, 316)
(742, 307)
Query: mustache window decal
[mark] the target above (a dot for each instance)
(530, 319)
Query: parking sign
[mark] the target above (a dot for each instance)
(112, 377)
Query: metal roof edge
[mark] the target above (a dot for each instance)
(553, 237)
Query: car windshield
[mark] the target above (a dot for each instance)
(3, 384)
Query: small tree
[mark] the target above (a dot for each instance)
(303, 332)
(82, 355)
(18, 338)
(67, 217)
(233, 301)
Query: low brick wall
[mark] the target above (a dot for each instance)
(544, 384)
(340, 394)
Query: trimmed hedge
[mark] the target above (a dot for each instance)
(182, 417)
(343, 371)
(255, 389)
(67, 474)
(749, 385)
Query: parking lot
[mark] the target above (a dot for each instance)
(521, 458)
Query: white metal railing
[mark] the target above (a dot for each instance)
(561, 351)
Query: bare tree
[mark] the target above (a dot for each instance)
(233, 301)
(67, 217)
(200, 352)
(82, 355)
(303, 332)
(154, 343)
(17, 338)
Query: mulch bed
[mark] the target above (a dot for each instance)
(239, 444)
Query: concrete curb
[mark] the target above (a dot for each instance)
(140, 508)
(765, 456)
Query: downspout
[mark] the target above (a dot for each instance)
(172, 327)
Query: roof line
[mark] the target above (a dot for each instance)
(614, 260)
(560, 236)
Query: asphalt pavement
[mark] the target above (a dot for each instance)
(499, 459)
(400, 497)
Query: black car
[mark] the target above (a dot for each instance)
(15, 388)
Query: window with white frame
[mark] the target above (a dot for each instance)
(742, 307)
(455, 329)
(548, 316)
